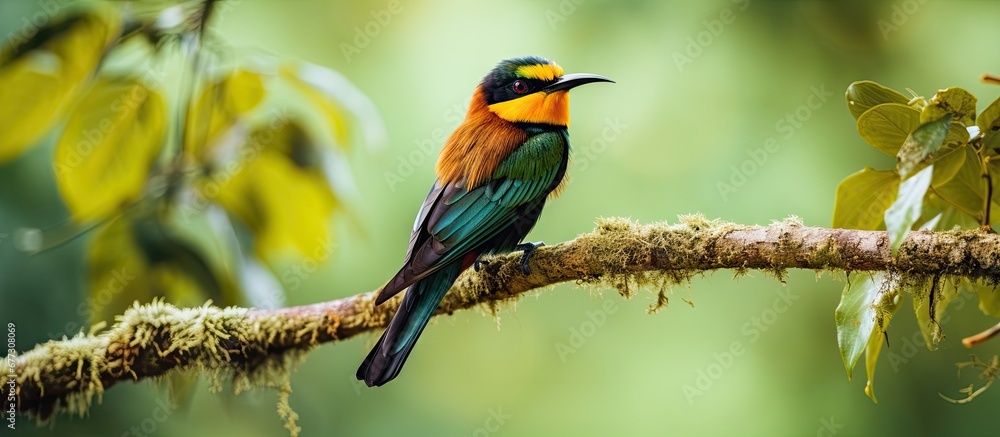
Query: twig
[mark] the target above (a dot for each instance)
(989, 373)
(981, 337)
(989, 78)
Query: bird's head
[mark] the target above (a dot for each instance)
(532, 90)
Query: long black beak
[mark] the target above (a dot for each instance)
(568, 81)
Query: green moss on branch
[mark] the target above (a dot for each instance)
(259, 348)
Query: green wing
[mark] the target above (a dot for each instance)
(468, 219)
(457, 221)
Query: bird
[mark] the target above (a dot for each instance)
(494, 175)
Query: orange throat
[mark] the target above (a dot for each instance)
(539, 107)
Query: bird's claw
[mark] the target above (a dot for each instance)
(479, 263)
(529, 250)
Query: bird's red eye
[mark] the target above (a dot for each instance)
(520, 87)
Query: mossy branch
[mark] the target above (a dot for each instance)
(256, 347)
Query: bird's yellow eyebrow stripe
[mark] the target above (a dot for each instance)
(544, 72)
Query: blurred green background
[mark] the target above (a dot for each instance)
(682, 129)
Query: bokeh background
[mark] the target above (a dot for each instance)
(682, 129)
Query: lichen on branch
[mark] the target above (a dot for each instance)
(259, 348)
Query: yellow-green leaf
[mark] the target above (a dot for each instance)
(950, 217)
(887, 305)
(887, 126)
(987, 119)
(958, 135)
(117, 272)
(331, 124)
(103, 157)
(989, 298)
(863, 197)
(906, 209)
(965, 189)
(989, 124)
(954, 101)
(286, 203)
(346, 114)
(855, 316)
(242, 90)
(135, 258)
(920, 144)
(947, 164)
(218, 108)
(863, 95)
(40, 83)
(872, 351)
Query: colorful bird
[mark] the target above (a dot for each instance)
(493, 177)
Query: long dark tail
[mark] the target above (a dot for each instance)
(422, 298)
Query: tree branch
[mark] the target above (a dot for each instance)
(257, 347)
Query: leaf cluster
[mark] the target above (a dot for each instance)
(943, 179)
(199, 169)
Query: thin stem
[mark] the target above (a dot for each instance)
(982, 336)
(989, 192)
(188, 87)
(989, 78)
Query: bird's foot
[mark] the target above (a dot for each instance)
(529, 250)
(479, 263)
